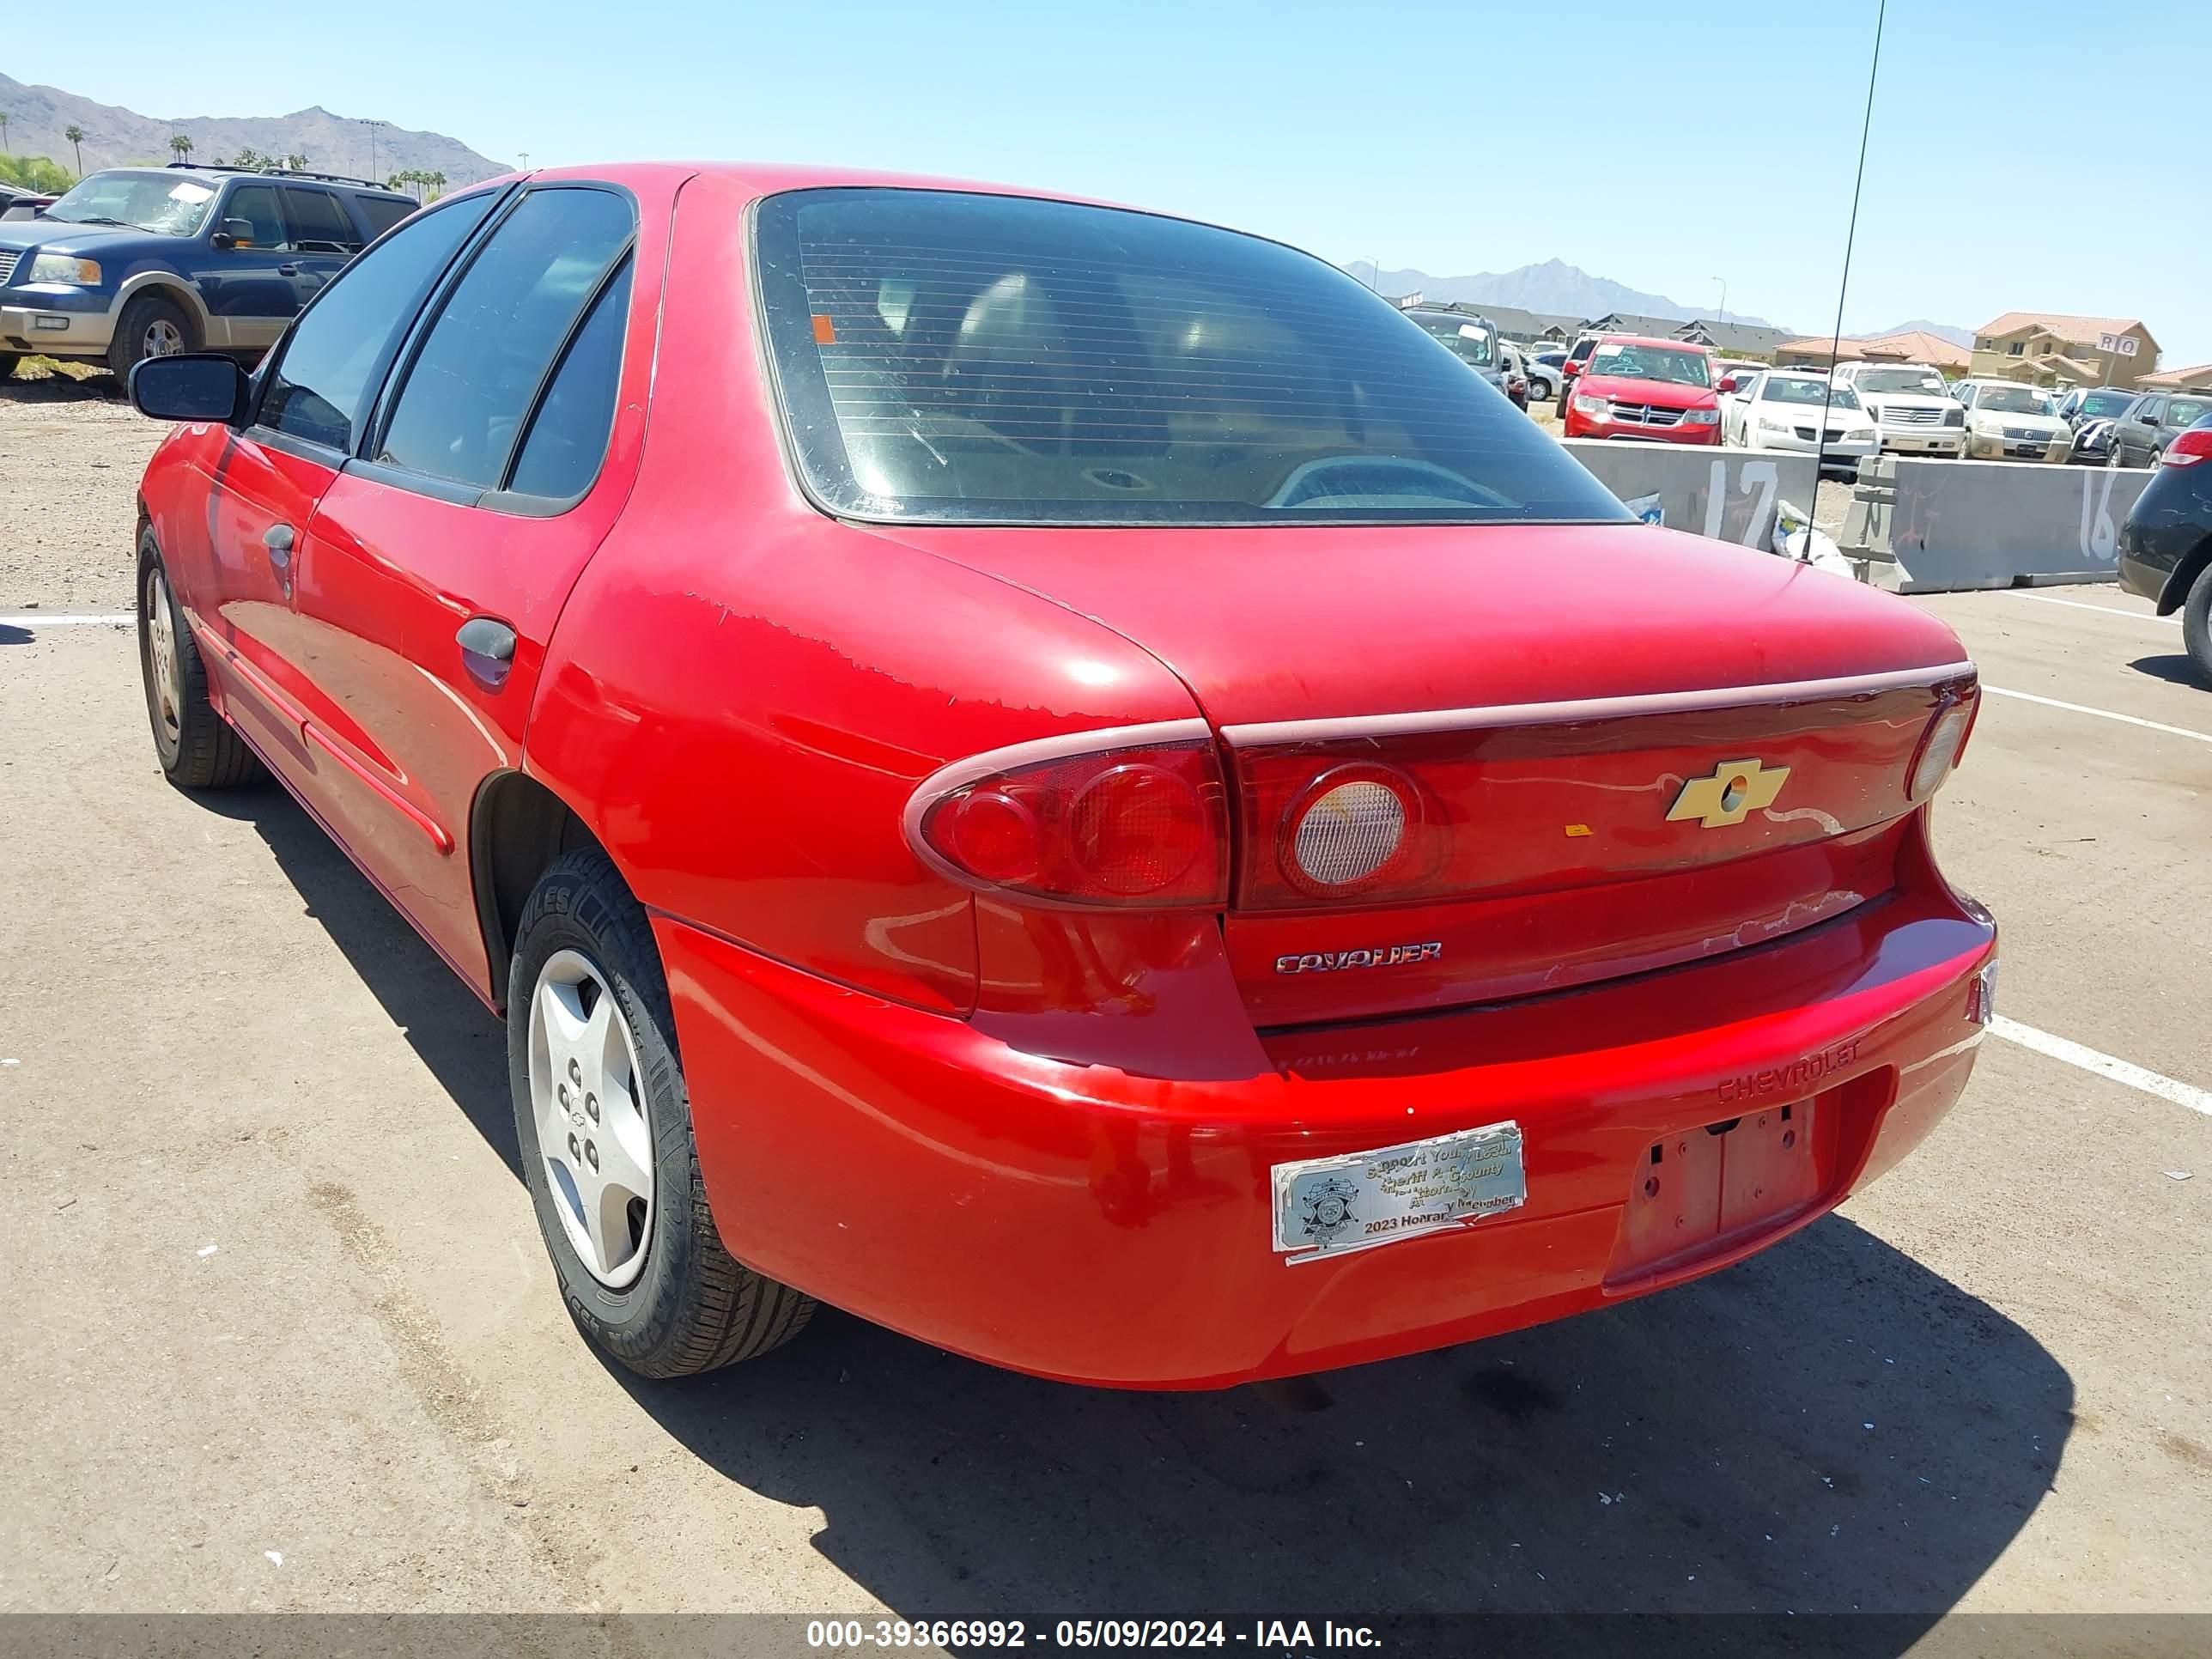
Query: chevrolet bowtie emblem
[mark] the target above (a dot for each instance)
(1735, 789)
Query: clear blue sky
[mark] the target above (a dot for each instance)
(1660, 145)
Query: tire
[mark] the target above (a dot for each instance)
(2196, 623)
(150, 326)
(196, 747)
(661, 1296)
(7, 362)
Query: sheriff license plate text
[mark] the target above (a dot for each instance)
(1328, 1206)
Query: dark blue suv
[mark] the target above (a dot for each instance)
(140, 262)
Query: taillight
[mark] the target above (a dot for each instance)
(1940, 748)
(2190, 447)
(1142, 825)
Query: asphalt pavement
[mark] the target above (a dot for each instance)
(285, 1339)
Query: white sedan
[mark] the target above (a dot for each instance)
(1780, 409)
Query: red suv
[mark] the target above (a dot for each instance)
(1058, 778)
(1632, 387)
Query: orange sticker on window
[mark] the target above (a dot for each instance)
(825, 331)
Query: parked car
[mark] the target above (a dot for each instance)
(141, 262)
(1474, 341)
(2089, 412)
(1631, 387)
(1741, 369)
(2007, 421)
(1782, 408)
(2140, 436)
(1059, 825)
(1545, 379)
(17, 203)
(1909, 405)
(1516, 373)
(2166, 542)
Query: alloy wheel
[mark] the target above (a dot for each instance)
(162, 338)
(589, 1105)
(165, 673)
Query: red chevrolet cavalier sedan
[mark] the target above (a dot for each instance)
(1063, 780)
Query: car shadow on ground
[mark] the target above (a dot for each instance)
(49, 387)
(2174, 670)
(1828, 1427)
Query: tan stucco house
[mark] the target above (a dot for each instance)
(2047, 347)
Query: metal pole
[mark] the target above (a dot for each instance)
(1722, 281)
(1843, 288)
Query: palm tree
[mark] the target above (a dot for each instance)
(437, 183)
(74, 134)
(3, 132)
(181, 145)
(297, 163)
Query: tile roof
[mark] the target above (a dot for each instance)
(1913, 346)
(2075, 330)
(2195, 375)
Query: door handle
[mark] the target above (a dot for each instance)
(278, 539)
(487, 650)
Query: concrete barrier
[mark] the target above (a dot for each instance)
(1727, 494)
(1956, 525)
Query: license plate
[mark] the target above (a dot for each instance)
(1330, 1206)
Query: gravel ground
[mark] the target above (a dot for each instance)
(70, 454)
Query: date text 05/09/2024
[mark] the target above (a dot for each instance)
(1291, 1636)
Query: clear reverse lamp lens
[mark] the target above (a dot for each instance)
(1939, 751)
(1349, 833)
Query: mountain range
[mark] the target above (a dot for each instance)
(39, 120)
(1962, 337)
(1555, 286)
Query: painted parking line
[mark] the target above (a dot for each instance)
(2105, 1065)
(39, 619)
(2101, 610)
(2101, 713)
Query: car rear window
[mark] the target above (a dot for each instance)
(954, 357)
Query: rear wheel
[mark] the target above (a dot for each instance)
(196, 745)
(149, 327)
(7, 362)
(603, 1121)
(2196, 623)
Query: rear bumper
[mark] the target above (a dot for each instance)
(1091, 1225)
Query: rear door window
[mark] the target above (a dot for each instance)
(567, 436)
(482, 362)
(319, 223)
(329, 363)
(991, 358)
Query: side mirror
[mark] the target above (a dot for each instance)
(192, 386)
(234, 232)
(1727, 383)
